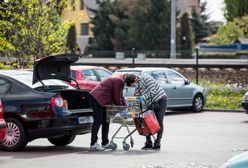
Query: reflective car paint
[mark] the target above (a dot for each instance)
(180, 91)
(88, 76)
(48, 109)
(2, 123)
(237, 161)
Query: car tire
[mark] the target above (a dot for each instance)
(197, 103)
(62, 140)
(15, 138)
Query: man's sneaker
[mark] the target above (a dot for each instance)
(148, 145)
(96, 147)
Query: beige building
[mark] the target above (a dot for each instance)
(78, 10)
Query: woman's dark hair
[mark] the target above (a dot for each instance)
(129, 79)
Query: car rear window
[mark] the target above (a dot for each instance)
(134, 72)
(26, 78)
(4, 85)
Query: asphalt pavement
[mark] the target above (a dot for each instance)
(191, 140)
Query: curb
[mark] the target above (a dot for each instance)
(225, 110)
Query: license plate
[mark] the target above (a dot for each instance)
(85, 120)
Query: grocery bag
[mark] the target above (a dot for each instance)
(147, 123)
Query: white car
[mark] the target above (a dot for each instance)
(245, 102)
(180, 91)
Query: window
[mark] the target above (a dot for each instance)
(84, 29)
(73, 4)
(174, 77)
(89, 75)
(73, 74)
(4, 85)
(103, 74)
(81, 4)
(159, 76)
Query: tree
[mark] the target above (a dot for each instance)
(200, 25)
(31, 29)
(227, 34)
(103, 26)
(140, 24)
(71, 39)
(187, 36)
(149, 25)
(120, 18)
(235, 8)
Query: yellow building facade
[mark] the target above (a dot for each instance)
(77, 10)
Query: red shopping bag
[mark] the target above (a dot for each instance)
(147, 123)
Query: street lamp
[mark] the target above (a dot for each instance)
(173, 30)
(197, 64)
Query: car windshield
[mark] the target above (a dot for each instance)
(50, 84)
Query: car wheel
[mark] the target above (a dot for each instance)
(15, 138)
(197, 103)
(62, 140)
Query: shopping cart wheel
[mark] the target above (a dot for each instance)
(113, 146)
(126, 146)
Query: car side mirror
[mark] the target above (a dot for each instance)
(187, 82)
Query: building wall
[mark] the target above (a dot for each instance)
(81, 16)
(194, 4)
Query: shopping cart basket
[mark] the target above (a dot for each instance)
(122, 115)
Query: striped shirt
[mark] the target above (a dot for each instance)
(150, 89)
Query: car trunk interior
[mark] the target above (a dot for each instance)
(77, 100)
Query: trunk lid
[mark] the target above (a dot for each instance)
(54, 67)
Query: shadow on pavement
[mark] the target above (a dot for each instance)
(31, 152)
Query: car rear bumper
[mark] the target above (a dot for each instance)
(2, 129)
(56, 127)
(2, 134)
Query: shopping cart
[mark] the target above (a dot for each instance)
(123, 115)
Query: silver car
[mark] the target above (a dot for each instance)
(180, 91)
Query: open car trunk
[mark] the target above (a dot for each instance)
(58, 67)
(77, 101)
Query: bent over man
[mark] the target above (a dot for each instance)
(108, 92)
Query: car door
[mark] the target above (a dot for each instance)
(181, 92)
(160, 76)
(90, 79)
(102, 74)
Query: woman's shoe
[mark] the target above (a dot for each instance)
(148, 145)
(156, 145)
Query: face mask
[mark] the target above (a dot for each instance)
(136, 86)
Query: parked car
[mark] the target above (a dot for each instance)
(237, 161)
(38, 105)
(2, 124)
(245, 102)
(180, 91)
(88, 76)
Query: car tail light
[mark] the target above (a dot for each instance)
(59, 106)
(73, 84)
(57, 101)
(1, 108)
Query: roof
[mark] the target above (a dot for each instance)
(15, 72)
(83, 67)
(143, 69)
